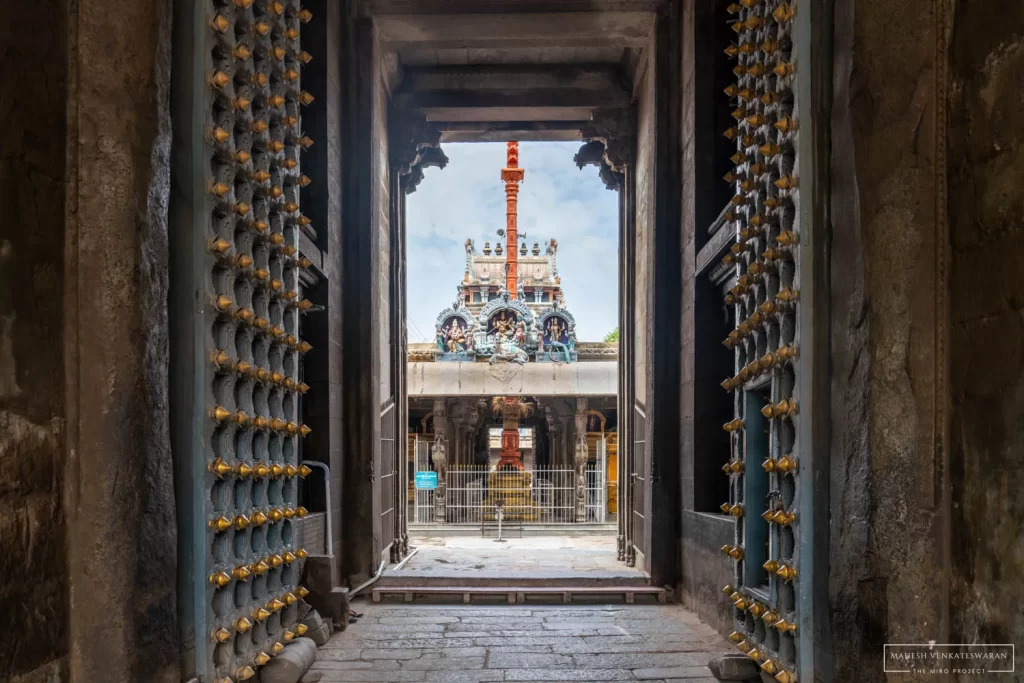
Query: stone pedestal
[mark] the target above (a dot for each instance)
(512, 491)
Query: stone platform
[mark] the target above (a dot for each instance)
(470, 644)
(541, 561)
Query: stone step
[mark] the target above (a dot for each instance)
(516, 593)
(489, 578)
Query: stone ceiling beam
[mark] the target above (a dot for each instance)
(597, 78)
(496, 31)
(383, 7)
(533, 98)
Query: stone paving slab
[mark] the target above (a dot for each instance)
(521, 644)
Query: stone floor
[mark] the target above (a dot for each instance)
(474, 644)
(531, 554)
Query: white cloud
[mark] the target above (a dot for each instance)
(467, 200)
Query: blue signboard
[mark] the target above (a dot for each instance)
(426, 480)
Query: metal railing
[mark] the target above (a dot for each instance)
(542, 495)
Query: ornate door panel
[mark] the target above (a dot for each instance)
(765, 448)
(235, 349)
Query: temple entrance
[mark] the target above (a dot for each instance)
(512, 449)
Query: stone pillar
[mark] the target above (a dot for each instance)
(580, 457)
(118, 488)
(439, 456)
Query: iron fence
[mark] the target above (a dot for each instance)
(543, 495)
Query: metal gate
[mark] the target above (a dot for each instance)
(423, 499)
(235, 308)
(388, 489)
(638, 478)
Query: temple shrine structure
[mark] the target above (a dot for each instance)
(507, 406)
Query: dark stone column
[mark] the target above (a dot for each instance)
(360, 281)
(663, 325)
(119, 498)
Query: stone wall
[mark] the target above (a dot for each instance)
(383, 171)
(644, 217)
(888, 544)
(986, 164)
(34, 587)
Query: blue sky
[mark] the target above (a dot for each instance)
(556, 199)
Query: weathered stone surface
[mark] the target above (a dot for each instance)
(291, 664)
(734, 667)
(320, 635)
(597, 378)
(649, 643)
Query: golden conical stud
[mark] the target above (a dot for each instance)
(289, 557)
(219, 190)
(242, 625)
(736, 553)
(767, 516)
(782, 626)
(301, 220)
(288, 513)
(241, 156)
(290, 207)
(288, 636)
(276, 515)
(260, 422)
(726, 549)
(770, 617)
(291, 75)
(276, 376)
(786, 238)
(290, 470)
(276, 7)
(220, 413)
(756, 120)
(220, 579)
(770, 46)
(305, 141)
(304, 347)
(731, 133)
(769, 149)
(290, 598)
(757, 609)
(220, 24)
(241, 521)
(244, 673)
(277, 424)
(261, 28)
(733, 425)
(244, 4)
(302, 387)
(728, 589)
(219, 468)
(785, 677)
(304, 430)
(219, 79)
(738, 158)
(220, 524)
(277, 648)
(241, 572)
(771, 565)
(258, 518)
(755, 654)
(735, 636)
(785, 124)
(783, 69)
(290, 121)
(783, 13)
(730, 177)
(754, 22)
(731, 90)
(240, 103)
(241, 208)
(276, 101)
(743, 646)
(736, 510)
(302, 591)
(260, 79)
(769, 667)
(304, 15)
(757, 70)
(243, 261)
(219, 135)
(731, 51)
(787, 295)
(290, 34)
(260, 568)
(786, 464)
(261, 659)
(218, 246)
(301, 629)
(737, 26)
(301, 554)
(244, 314)
(276, 605)
(746, 94)
(261, 614)
(304, 57)
(276, 469)
(786, 182)
(241, 51)
(259, 126)
(220, 358)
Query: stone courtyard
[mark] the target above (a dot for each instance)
(471, 644)
(454, 555)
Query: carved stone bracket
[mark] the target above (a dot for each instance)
(616, 130)
(415, 144)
